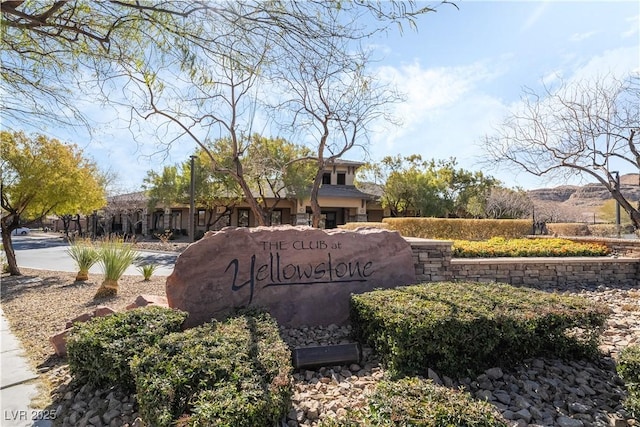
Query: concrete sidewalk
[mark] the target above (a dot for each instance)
(18, 383)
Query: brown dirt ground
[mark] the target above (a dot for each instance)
(37, 310)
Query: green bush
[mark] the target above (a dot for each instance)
(628, 368)
(462, 329)
(99, 351)
(418, 402)
(500, 247)
(463, 229)
(232, 373)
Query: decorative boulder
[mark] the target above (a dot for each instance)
(301, 275)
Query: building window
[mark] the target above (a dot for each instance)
(342, 180)
(326, 178)
(202, 217)
(243, 217)
(176, 220)
(276, 217)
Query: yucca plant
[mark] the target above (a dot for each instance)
(115, 257)
(85, 254)
(147, 270)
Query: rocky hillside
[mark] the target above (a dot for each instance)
(569, 202)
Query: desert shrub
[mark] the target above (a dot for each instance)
(464, 328)
(232, 373)
(355, 225)
(567, 229)
(500, 247)
(85, 255)
(419, 402)
(147, 270)
(99, 351)
(456, 228)
(628, 368)
(115, 257)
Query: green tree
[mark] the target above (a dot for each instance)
(413, 186)
(271, 170)
(43, 176)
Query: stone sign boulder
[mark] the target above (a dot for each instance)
(302, 275)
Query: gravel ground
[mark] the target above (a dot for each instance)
(541, 392)
(38, 309)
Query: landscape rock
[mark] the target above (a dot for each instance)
(302, 275)
(145, 300)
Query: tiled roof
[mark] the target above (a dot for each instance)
(346, 191)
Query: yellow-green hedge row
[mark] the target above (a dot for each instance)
(459, 229)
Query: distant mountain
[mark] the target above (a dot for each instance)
(571, 202)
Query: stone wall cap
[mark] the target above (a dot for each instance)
(544, 260)
(417, 241)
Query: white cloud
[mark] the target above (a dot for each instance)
(578, 37)
(634, 22)
(535, 16)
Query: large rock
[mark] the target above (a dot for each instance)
(302, 275)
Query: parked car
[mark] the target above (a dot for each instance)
(21, 231)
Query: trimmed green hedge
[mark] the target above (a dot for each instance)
(419, 402)
(458, 228)
(628, 368)
(461, 329)
(99, 351)
(233, 373)
(500, 247)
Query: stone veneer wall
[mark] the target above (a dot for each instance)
(433, 262)
(431, 258)
(548, 271)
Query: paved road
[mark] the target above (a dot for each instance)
(47, 252)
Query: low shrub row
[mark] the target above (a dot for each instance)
(629, 370)
(235, 373)
(99, 351)
(500, 247)
(456, 228)
(417, 402)
(232, 373)
(583, 229)
(465, 328)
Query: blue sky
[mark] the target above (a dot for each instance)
(463, 70)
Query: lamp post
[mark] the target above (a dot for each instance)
(192, 188)
(617, 189)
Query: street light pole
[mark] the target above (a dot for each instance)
(192, 231)
(617, 189)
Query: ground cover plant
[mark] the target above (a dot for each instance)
(417, 402)
(501, 247)
(100, 350)
(628, 368)
(464, 328)
(232, 373)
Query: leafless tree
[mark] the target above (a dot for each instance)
(587, 128)
(329, 103)
(508, 203)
